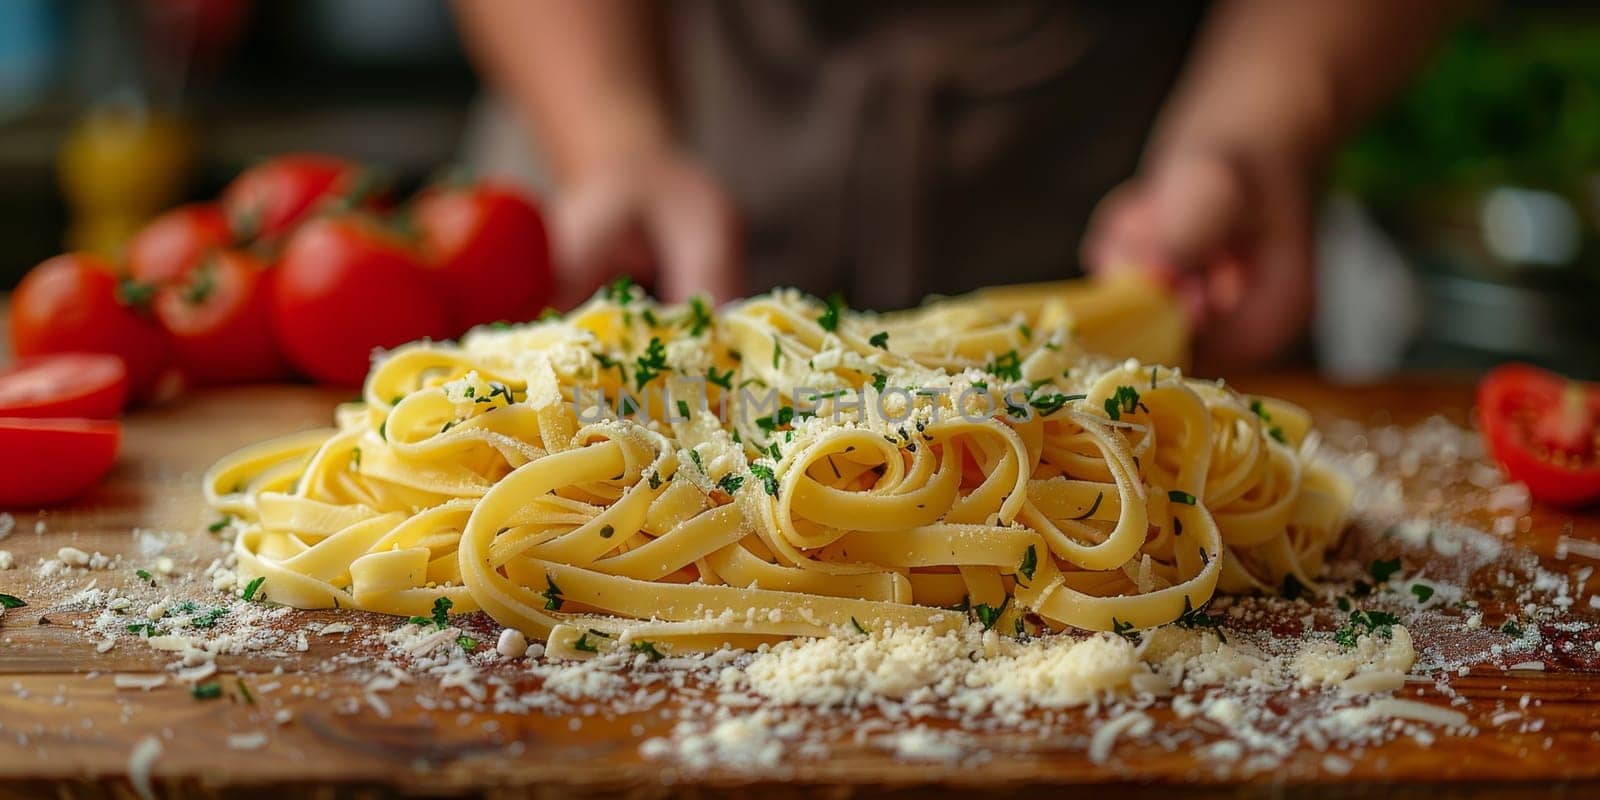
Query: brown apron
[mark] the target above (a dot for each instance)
(891, 150)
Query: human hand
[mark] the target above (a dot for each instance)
(1229, 233)
(659, 216)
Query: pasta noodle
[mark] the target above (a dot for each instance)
(636, 472)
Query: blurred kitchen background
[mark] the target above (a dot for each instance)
(1462, 228)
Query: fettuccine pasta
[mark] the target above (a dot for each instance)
(784, 467)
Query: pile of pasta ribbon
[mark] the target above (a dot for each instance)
(785, 467)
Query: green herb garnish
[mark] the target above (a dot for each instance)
(1030, 563)
(251, 587)
(1382, 570)
(651, 364)
(1125, 630)
(552, 596)
(206, 691)
(620, 291)
(1007, 366)
(1197, 618)
(648, 648)
(1124, 401)
(699, 316)
(1293, 589)
(769, 481)
(879, 340)
(830, 315)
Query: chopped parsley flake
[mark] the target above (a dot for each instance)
(466, 643)
(253, 586)
(830, 315)
(1197, 618)
(552, 596)
(1422, 591)
(768, 480)
(620, 291)
(648, 648)
(879, 340)
(1177, 496)
(1125, 630)
(206, 691)
(861, 629)
(730, 483)
(1293, 589)
(1030, 563)
(699, 316)
(1275, 431)
(987, 615)
(1093, 507)
(1007, 366)
(441, 614)
(1382, 569)
(11, 601)
(1124, 401)
(585, 645)
(216, 527)
(1362, 621)
(725, 380)
(651, 364)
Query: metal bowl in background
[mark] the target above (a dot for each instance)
(1509, 272)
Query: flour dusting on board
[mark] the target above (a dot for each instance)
(1426, 587)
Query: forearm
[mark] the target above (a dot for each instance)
(583, 74)
(1291, 79)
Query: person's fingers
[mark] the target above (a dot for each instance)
(1120, 234)
(1263, 301)
(1123, 237)
(696, 234)
(596, 236)
(1199, 209)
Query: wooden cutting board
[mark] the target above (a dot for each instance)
(65, 730)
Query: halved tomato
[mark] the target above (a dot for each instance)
(51, 460)
(93, 385)
(1544, 429)
(75, 303)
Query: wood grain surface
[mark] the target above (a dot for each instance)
(65, 731)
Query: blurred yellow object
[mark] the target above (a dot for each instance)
(1122, 317)
(118, 168)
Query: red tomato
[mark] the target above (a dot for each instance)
(1545, 430)
(173, 243)
(50, 460)
(489, 244)
(268, 199)
(91, 385)
(345, 286)
(219, 319)
(73, 304)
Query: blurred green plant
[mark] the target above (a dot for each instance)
(1514, 104)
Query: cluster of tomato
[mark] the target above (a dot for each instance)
(298, 268)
